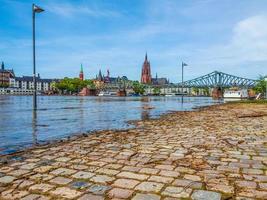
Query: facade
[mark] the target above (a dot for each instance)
(146, 77)
(81, 76)
(108, 79)
(26, 83)
(5, 75)
(159, 81)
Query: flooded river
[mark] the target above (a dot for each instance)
(62, 116)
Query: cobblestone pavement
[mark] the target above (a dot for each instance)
(211, 154)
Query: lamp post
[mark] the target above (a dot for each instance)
(35, 9)
(266, 88)
(183, 65)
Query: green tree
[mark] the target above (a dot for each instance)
(156, 91)
(4, 85)
(195, 90)
(206, 91)
(138, 88)
(73, 85)
(261, 85)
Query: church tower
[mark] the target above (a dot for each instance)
(81, 73)
(146, 72)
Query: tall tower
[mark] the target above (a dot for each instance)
(146, 72)
(81, 73)
(2, 66)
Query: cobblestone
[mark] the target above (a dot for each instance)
(174, 157)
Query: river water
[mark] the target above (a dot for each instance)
(62, 116)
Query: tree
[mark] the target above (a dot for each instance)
(261, 85)
(73, 85)
(4, 85)
(206, 91)
(156, 91)
(195, 90)
(138, 88)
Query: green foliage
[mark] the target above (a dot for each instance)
(138, 88)
(156, 90)
(73, 85)
(4, 85)
(195, 90)
(206, 91)
(261, 85)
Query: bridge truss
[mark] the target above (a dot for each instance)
(219, 79)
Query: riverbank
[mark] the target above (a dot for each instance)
(214, 152)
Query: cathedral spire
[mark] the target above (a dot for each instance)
(81, 73)
(81, 68)
(146, 57)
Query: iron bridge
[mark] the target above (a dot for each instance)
(218, 79)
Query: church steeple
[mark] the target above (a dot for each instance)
(146, 72)
(2, 66)
(81, 73)
(146, 57)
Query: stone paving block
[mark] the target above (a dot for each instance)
(126, 183)
(13, 194)
(177, 192)
(221, 188)
(66, 192)
(91, 197)
(205, 195)
(41, 177)
(63, 159)
(165, 167)
(18, 172)
(187, 183)
(43, 169)
(161, 179)
(22, 183)
(35, 197)
(107, 171)
(98, 189)
(173, 174)
(246, 184)
(120, 193)
(149, 171)
(7, 179)
(139, 196)
(29, 166)
(192, 177)
(60, 180)
(102, 179)
(83, 175)
(80, 185)
(63, 171)
(42, 187)
(149, 187)
(131, 175)
(131, 168)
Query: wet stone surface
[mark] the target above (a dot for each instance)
(214, 153)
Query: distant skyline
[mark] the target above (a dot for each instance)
(228, 36)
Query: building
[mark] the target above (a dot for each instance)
(81, 76)
(108, 79)
(159, 81)
(146, 72)
(5, 76)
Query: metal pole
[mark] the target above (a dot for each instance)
(182, 82)
(34, 71)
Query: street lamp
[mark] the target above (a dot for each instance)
(35, 9)
(266, 88)
(183, 65)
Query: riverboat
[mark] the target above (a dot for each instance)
(236, 94)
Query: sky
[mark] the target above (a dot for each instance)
(226, 35)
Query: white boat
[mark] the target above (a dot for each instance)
(102, 93)
(236, 94)
(169, 94)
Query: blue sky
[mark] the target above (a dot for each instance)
(226, 35)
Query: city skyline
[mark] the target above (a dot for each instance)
(107, 35)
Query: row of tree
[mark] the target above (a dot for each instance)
(72, 85)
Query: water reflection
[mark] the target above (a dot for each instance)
(63, 116)
(34, 127)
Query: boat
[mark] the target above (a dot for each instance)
(169, 94)
(102, 93)
(236, 94)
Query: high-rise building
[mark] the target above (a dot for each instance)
(81, 73)
(146, 72)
